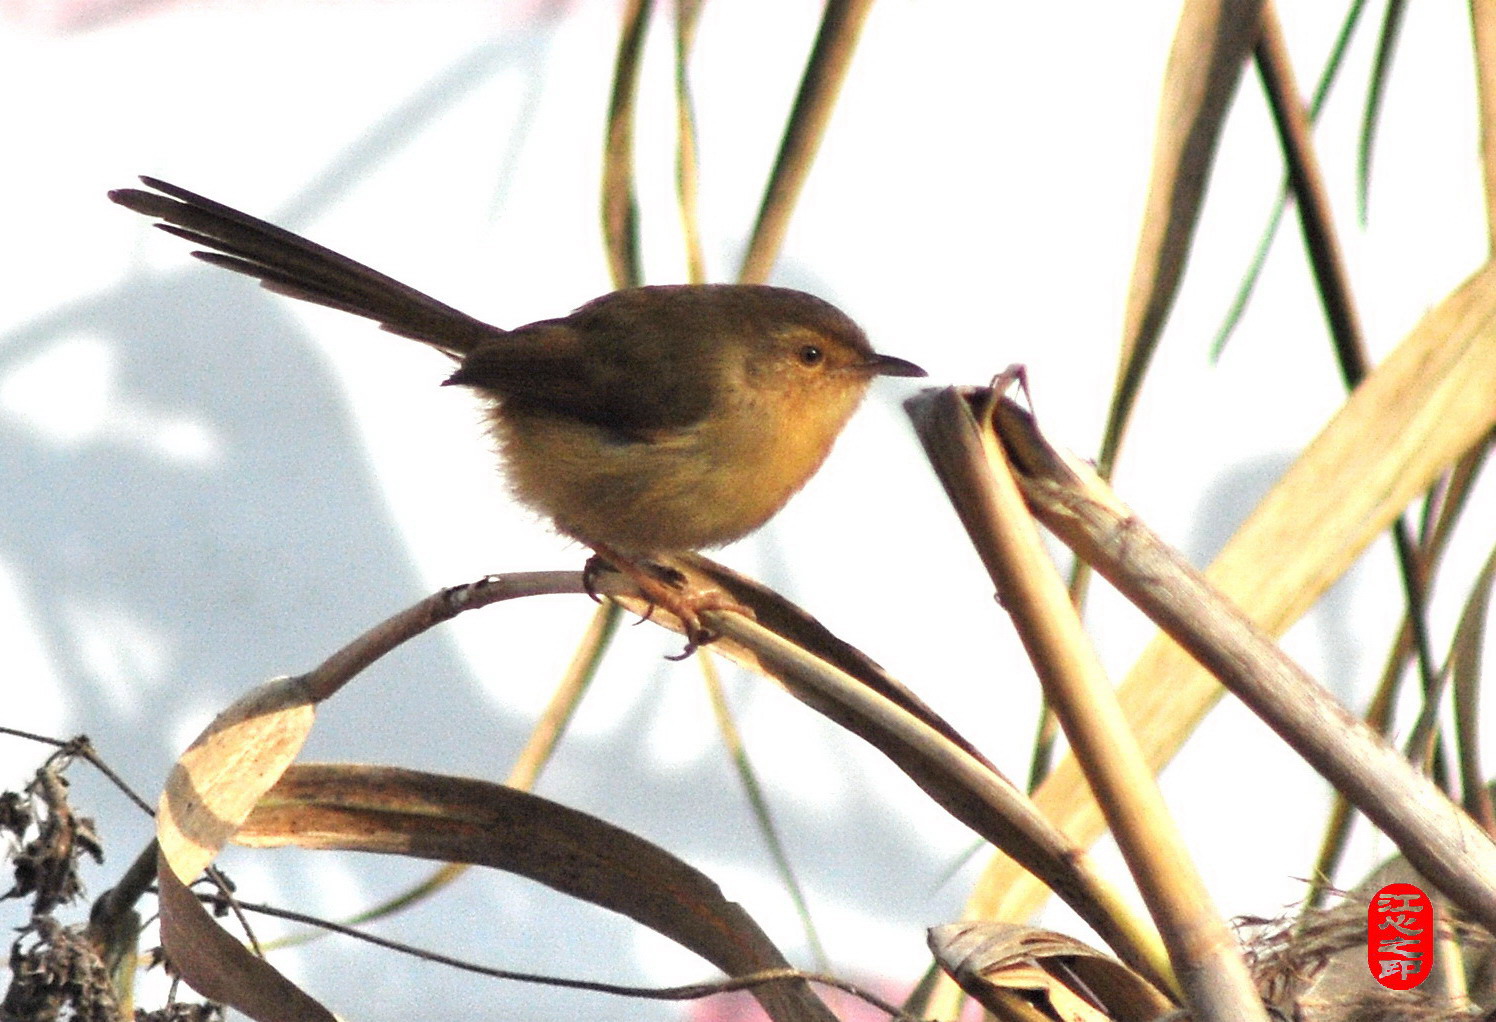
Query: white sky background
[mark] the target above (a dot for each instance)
(205, 485)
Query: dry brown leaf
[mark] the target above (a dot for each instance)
(1314, 966)
(456, 819)
(217, 781)
(999, 963)
(786, 619)
(219, 967)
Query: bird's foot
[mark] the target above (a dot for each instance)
(669, 589)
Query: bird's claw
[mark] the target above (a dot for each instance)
(667, 587)
(594, 567)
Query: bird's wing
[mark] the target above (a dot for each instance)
(594, 376)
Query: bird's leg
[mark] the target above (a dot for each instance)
(664, 586)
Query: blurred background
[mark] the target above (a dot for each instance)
(203, 485)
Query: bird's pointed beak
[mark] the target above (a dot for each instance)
(887, 365)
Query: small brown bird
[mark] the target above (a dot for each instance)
(650, 421)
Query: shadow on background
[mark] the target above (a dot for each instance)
(1223, 508)
(220, 526)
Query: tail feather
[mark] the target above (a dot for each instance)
(291, 265)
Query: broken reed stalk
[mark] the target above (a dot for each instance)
(1067, 496)
(971, 464)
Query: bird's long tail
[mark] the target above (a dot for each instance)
(291, 265)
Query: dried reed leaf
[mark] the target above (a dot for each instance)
(840, 682)
(1381, 72)
(962, 784)
(1443, 508)
(841, 25)
(1311, 198)
(220, 967)
(544, 737)
(1007, 967)
(620, 212)
(1467, 651)
(687, 168)
(759, 804)
(239, 756)
(1327, 76)
(793, 623)
(1205, 65)
(1419, 410)
(1483, 29)
(1332, 281)
(452, 819)
(220, 777)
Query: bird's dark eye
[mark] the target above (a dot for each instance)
(811, 355)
